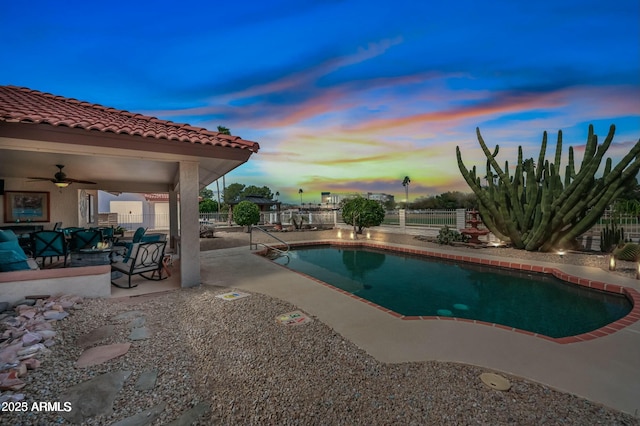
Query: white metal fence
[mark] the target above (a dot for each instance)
(403, 220)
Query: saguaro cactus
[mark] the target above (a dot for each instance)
(534, 208)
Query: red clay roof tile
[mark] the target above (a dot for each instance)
(23, 105)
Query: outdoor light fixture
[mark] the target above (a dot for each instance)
(339, 234)
(612, 263)
(368, 235)
(352, 235)
(561, 253)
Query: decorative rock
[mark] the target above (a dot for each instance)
(137, 322)
(12, 322)
(101, 354)
(94, 397)
(21, 370)
(95, 336)
(30, 350)
(9, 353)
(31, 363)
(4, 306)
(147, 380)
(55, 315)
(46, 334)
(28, 313)
(10, 381)
(29, 339)
(141, 333)
(146, 417)
(43, 326)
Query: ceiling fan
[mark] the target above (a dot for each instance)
(61, 180)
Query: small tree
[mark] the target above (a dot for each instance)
(208, 206)
(246, 213)
(362, 213)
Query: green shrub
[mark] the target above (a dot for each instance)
(362, 213)
(448, 236)
(246, 213)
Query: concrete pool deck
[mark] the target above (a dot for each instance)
(604, 369)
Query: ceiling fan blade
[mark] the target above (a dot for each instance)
(79, 181)
(39, 178)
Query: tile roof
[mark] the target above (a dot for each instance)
(23, 105)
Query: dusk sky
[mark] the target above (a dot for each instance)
(346, 96)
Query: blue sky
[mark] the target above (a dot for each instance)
(346, 95)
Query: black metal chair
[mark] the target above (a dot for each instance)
(49, 244)
(145, 258)
(85, 239)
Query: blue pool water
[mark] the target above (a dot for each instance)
(411, 285)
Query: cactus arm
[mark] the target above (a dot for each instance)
(558, 157)
(543, 150)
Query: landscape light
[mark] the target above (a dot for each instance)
(612, 263)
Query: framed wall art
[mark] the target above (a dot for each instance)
(26, 206)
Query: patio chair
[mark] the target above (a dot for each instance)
(85, 239)
(69, 231)
(107, 233)
(145, 258)
(49, 244)
(128, 244)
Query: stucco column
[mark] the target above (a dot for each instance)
(189, 226)
(173, 218)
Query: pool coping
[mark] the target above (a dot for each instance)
(630, 293)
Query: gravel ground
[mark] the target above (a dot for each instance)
(251, 370)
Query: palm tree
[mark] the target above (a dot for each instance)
(300, 191)
(405, 182)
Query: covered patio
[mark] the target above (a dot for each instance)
(118, 150)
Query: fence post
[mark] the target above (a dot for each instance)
(402, 218)
(461, 219)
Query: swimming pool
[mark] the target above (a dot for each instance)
(419, 286)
